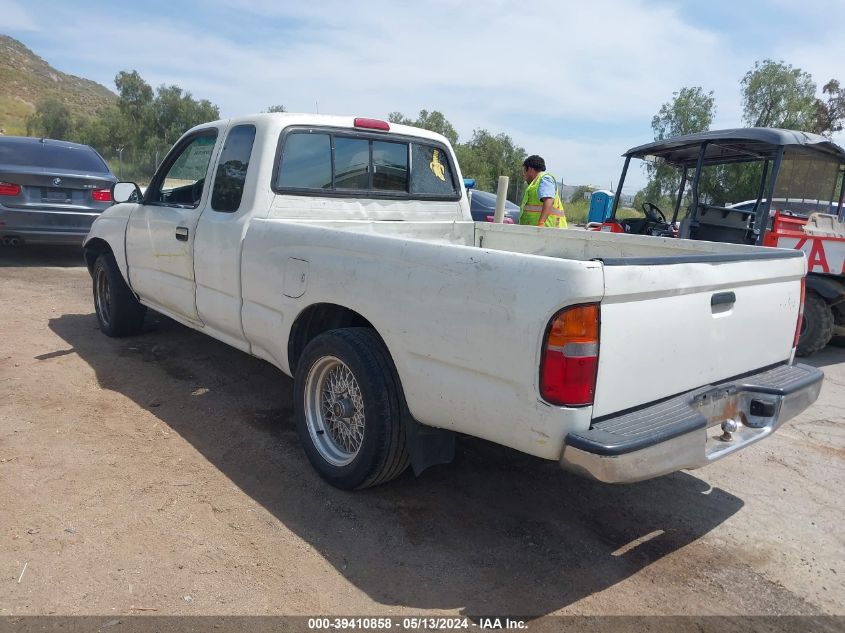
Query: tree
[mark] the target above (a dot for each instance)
(51, 119)
(106, 132)
(690, 110)
(580, 193)
(152, 120)
(174, 111)
(775, 94)
(830, 114)
(134, 97)
(486, 157)
(277, 108)
(434, 121)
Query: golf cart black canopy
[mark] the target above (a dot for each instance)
(738, 145)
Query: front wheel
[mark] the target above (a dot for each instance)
(349, 409)
(816, 326)
(118, 311)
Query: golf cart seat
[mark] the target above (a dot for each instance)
(718, 224)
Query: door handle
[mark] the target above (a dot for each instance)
(182, 233)
(722, 299)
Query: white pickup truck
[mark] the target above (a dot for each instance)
(343, 252)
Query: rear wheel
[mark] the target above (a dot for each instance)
(349, 409)
(118, 311)
(816, 326)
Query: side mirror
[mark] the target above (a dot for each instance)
(126, 192)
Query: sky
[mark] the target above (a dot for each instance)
(574, 81)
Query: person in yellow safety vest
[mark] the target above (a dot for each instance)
(541, 205)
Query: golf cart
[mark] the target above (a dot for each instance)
(762, 186)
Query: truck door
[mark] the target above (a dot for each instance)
(161, 230)
(220, 234)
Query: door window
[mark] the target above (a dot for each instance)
(184, 180)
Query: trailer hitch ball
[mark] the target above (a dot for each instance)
(728, 428)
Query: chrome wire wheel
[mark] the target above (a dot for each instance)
(102, 295)
(334, 410)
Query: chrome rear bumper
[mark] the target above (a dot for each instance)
(686, 431)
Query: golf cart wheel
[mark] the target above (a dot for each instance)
(816, 326)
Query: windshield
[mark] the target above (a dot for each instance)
(807, 183)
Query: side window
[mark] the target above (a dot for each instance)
(184, 181)
(390, 166)
(231, 169)
(306, 162)
(430, 172)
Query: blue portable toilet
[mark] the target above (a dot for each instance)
(601, 206)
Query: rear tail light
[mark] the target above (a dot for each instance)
(9, 189)
(800, 313)
(372, 124)
(101, 195)
(505, 220)
(570, 357)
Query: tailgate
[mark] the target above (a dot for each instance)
(672, 324)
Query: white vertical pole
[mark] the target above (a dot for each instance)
(501, 196)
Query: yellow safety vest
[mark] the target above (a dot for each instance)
(532, 206)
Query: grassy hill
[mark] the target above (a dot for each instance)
(25, 79)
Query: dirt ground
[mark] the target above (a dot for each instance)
(162, 474)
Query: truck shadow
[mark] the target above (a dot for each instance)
(495, 532)
(830, 355)
(35, 256)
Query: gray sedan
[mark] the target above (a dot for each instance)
(482, 206)
(50, 191)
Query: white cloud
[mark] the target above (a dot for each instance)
(584, 162)
(502, 66)
(591, 61)
(13, 17)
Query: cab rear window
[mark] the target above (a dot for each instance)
(330, 162)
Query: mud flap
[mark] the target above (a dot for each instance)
(428, 446)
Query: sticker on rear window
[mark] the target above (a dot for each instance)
(437, 168)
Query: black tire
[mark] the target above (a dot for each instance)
(118, 311)
(817, 326)
(839, 315)
(380, 454)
